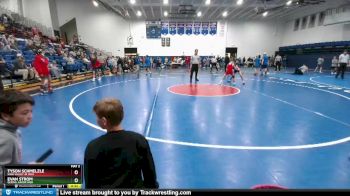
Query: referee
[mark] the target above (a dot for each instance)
(195, 59)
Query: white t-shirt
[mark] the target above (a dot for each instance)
(344, 58)
(278, 58)
(304, 68)
(320, 61)
(195, 59)
(334, 62)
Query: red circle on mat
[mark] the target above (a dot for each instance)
(204, 90)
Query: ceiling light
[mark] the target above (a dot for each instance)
(239, 2)
(199, 14)
(207, 2)
(132, 1)
(95, 3)
(165, 2)
(224, 14)
(138, 13)
(289, 2)
(265, 13)
(165, 13)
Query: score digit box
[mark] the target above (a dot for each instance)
(43, 176)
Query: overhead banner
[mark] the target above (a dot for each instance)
(180, 28)
(213, 28)
(188, 28)
(205, 28)
(165, 28)
(197, 28)
(172, 28)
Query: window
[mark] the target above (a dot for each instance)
(321, 18)
(312, 21)
(296, 24)
(330, 12)
(304, 22)
(338, 11)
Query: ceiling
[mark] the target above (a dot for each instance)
(188, 9)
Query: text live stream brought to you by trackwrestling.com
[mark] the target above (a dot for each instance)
(112, 192)
(104, 192)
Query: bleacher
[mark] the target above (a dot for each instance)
(337, 45)
(76, 72)
(308, 54)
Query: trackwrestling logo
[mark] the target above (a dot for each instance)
(14, 192)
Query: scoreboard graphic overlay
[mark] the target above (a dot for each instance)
(43, 176)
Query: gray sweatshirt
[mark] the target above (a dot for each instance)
(10, 145)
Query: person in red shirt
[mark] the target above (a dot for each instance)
(188, 61)
(231, 70)
(41, 65)
(96, 67)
